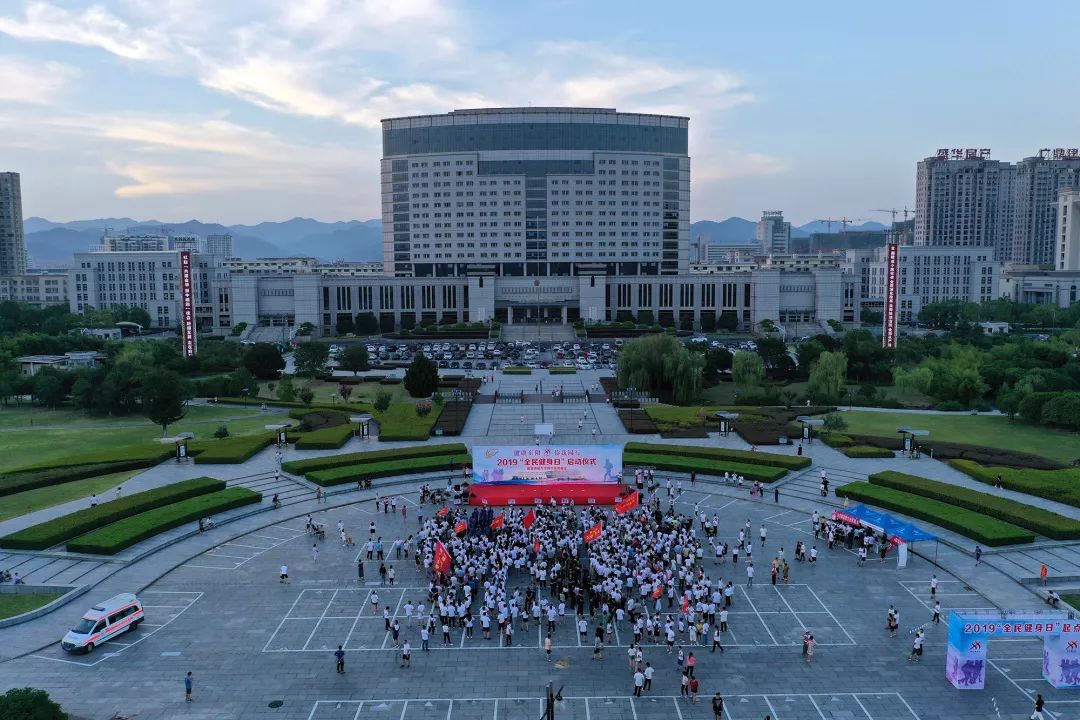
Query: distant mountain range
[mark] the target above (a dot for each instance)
(52, 244)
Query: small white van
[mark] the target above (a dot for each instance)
(105, 620)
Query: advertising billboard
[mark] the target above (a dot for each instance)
(892, 289)
(187, 306)
(529, 465)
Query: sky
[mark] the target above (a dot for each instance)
(262, 110)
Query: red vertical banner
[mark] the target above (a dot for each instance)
(892, 290)
(442, 558)
(529, 519)
(187, 305)
(593, 533)
(499, 521)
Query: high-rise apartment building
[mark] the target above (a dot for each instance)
(12, 242)
(220, 245)
(536, 192)
(1038, 181)
(1067, 246)
(773, 234)
(964, 200)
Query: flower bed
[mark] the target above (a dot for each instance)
(789, 462)
(686, 464)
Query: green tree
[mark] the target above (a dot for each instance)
(422, 377)
(747, 370)
(660, 364)
(163, 396)
(243, 382)
(867, 360)
(828, 377)
(382, 402)
(310, 358)
(808, 352)
(264, 360)
(835, 422)
(717, 360)
(345, 391)
(286, 391)
(773, 352)
(306, 395)
(366, 324)
(29, 704)
(767, 325)
(50, 387)
(728, 321)
(355, 358)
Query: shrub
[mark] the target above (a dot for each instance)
(382, 402)
(114, 538)
(30, 704)
(385, 468)
(562, 370)
(423, 409)
(1060, 485)
(52, 532)
(789, 462)
(327, 438)
(353, 407)
(1048, 523)
(231, 450)
(703, 466)
(837, 440)
(301, 467)
(517, 371)
(966, 522)
(867, 451)
(222, 432)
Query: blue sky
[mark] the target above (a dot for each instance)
(268, 109)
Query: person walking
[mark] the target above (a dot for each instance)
(189, 682)
(717, 707)
(283, 576)
(937, 613)
(933, 586)
(339, 655)
(360, 570)
(1042, 574)
(916, 647)
(775, 498)
(691, 664)
(693, 690)
(406, 655)
(315, 553)
(978, 555)
(639, 682)
(649, 672)
(811, 644)
(750, 574)
(716, 634)
(547, 647)
(425, 639)
(1037, 713)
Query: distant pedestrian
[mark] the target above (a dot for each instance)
(406, 655)
(93, 500)
(978, 555)
(119, 491)
(693, 690)
(917, 647)
(639, 683)
(937, 613)
(339, 655)
(933, 586)
(189, 682)
(811, 645)
(776, 495)
(649, 672)
(318, 495)
(1037, 713)
(717, 707)
(315, 553)
(360, 570)
(547, 647)
(284, 576)
(1043, 573)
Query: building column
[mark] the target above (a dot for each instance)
(563, 308)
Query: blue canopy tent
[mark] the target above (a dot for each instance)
(883, 522)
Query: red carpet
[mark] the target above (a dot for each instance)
(564, 494)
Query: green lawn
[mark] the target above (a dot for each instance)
(12, 604)
(33, 500)
(364, 392)
(986, 430)
(725, 394)
(1072, 597)
(58, 433)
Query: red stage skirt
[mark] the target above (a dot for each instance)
(566, 493)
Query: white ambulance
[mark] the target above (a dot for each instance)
(105, 620)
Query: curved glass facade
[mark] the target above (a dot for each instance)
(535, 136)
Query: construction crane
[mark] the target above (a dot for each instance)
(842, 221)
(894, 211)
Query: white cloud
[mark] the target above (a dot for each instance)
(95, 26)
(35, 83)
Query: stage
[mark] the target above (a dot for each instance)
(564, 493)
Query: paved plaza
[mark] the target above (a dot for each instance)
(215, 606)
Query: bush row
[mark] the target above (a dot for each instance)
(703, 466)
(963, 451)
(327, 438)
(269, 402)
(230, 450)
(517, 371)
(55, 531)
(1047, 523)
(968, 523)
(866, 451)
(562, 371)
(302, 467)
(1060, 485)
(789, 462)
(386, 468)
(33, 479)
(149, 453)
(838, 440)
(125, 533)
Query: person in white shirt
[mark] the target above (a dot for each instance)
(284, 576)
(750, 574)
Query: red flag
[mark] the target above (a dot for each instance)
(461, 527)
(444, 512)
(685, 603)
(536, 546)
(627, 503)
(658, 592)
(529, 519)
(442, 558)
(498, 522)
(593, 533)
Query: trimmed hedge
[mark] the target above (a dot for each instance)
(968, 523)
(55, 531)
(149, 453)
(517, 371)
(302, 467)
(34, 479)
(330, 438)
(562, 371)
(703, 466)
(866, 451)
(404, 466)
(838, 440)
(230, 450)
(788, 462)
(113, 538)
(270, 402)
(1045, 522)
(962, 451)
(1060, 485)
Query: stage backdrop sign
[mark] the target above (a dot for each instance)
(528, 465)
